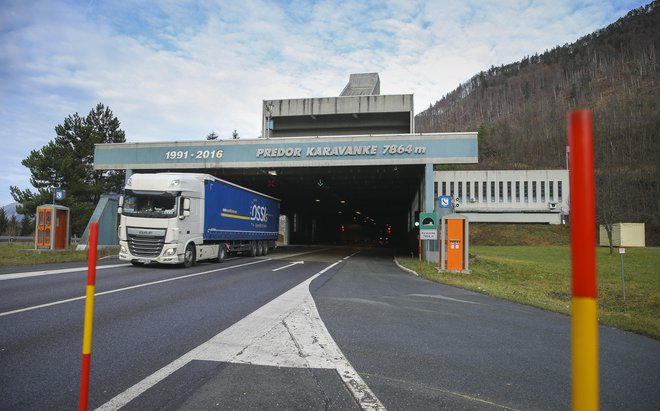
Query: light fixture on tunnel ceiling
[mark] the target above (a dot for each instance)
(357, 212)
(272, 172)
(342, 201)
(318, 200)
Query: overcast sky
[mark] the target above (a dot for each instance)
(177, 70)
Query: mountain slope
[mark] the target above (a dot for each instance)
(520, 112)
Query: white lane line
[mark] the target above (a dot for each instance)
(290, 265)
(286, 332)
(59, 271)
(130, 288)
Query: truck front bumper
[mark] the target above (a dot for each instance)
(169, 255)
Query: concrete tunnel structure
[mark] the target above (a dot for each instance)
(345, 168)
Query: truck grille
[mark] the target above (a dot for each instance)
(145, 242)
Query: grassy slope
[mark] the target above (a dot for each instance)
(540, 274)
(18, 254)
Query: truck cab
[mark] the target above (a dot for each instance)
(161, 219)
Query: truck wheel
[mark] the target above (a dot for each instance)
(253, 249)
(222, 253)
(189, 257)
(265, 248)
(260, 248)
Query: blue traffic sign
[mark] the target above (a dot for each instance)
(59, 195)
(444, 201)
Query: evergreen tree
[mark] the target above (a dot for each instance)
(27, 226)
(67, 163)
(3, 221)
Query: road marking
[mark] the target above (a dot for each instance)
(290, 265)
(51, 272)
(286, 332)
(407, 384)
(130, 288)
(442, 297)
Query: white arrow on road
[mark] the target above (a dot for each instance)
(290, 265)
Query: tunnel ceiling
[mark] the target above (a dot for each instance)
(380, 192)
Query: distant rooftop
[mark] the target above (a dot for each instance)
(362, 84)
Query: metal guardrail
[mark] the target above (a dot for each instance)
(16, 239)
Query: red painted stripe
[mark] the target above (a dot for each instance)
(84, 382)
(582, 195)
(92, 253)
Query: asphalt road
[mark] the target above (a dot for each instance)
(136, 330)
(339, 331)
(421, 345)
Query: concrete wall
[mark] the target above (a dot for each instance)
(507, 196)
(352, 115)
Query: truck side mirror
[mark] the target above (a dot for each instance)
(120, 204)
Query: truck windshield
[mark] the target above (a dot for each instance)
(153, 206)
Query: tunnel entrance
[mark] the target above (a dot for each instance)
(338, 205)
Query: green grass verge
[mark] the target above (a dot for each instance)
(21, 254)
(541, 276)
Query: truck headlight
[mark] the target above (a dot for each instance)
(122, 249)
(170, 252)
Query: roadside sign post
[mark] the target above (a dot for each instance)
(428, 229)
(622, 251)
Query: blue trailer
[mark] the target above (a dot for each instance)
(239, 217)
(181, 218)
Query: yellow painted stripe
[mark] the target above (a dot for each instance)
(89, 318)
(584, 323)
(240, 217)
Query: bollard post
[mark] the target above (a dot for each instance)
(419, 249)
(89, 316)
(584, 311)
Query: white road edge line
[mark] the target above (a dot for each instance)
(167, 280)
(51, 272)
(289, 324)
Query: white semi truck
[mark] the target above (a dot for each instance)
(182, 218)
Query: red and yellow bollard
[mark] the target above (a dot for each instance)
(89, 316)
(584, 320)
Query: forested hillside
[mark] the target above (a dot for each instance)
(520, 113)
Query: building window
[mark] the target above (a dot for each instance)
(508, 191)
(467, 192)
(476, 191)
(435, 189)
(526, 191)
(551, 189)
(451, 189)
(559, 192)
(484, 193)
(534, 191)
(492, 191)
(517, 191)
(543, 191)
(460, 191)
(444, 188)
(501, 192)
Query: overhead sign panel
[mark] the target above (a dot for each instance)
(291, 152)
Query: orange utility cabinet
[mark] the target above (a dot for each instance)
(454, 243)
(52, 231)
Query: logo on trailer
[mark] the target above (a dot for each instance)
(258, 213)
